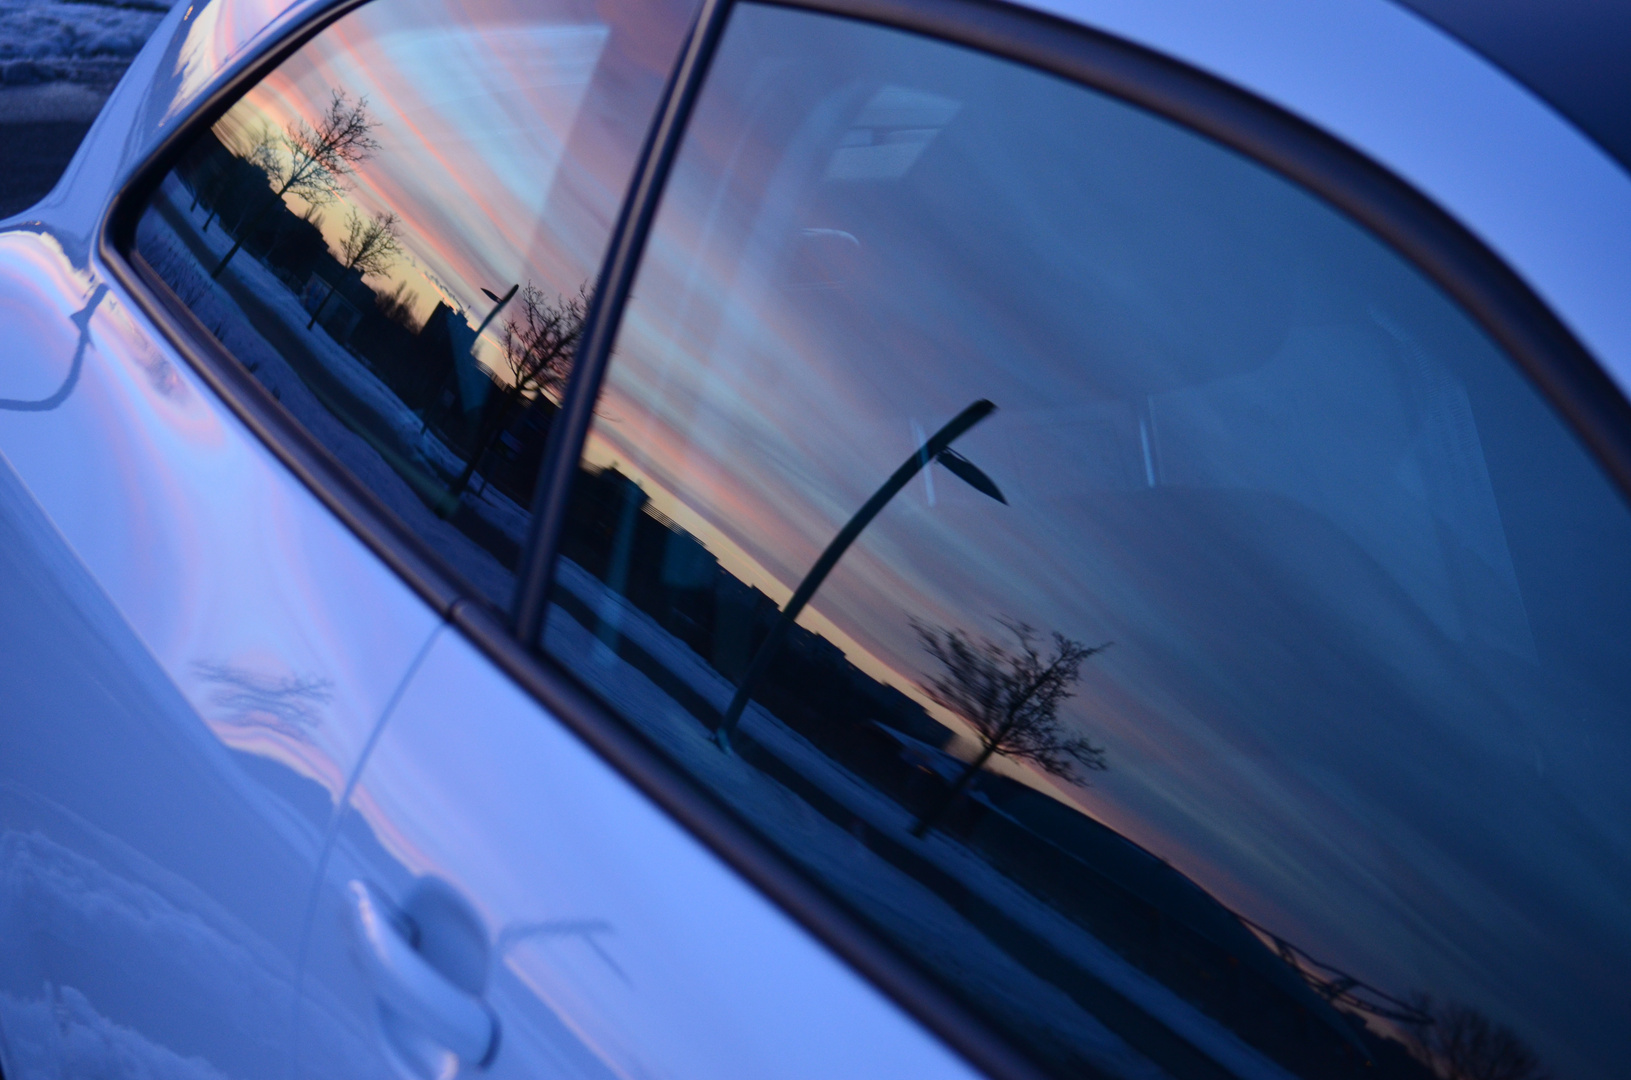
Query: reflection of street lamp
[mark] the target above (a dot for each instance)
(938, 448)
(498, 306)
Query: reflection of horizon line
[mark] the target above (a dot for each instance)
(623, 460)
(1340, 988)
(1337, 988)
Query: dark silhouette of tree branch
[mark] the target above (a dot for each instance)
(1011, 699)
(310, 160)
(539, 345)
(369, 246)
(1461, 1043)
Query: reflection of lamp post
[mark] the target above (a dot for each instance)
(498, 306)
(938, 448)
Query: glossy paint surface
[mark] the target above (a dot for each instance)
(615, 947)
(200, 650)
(196, 653)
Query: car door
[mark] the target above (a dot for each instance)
(198, 644)
(193, 652)
(1123, 605)
(501, 901)
(1140, 621)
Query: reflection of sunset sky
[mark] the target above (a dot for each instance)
(1324, 701)
(475, 108)
(217, 32)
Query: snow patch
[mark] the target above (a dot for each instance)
(46, 40)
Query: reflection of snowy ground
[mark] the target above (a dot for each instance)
(134, 934)
(912, 913)
(41, 40)
(64, 1035)
(424, 457)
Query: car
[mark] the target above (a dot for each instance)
(898, 538)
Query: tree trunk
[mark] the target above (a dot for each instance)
(484, 442)
(245, 228)
(277, 241)
(924, 823)
(970, 771)
(320, 306)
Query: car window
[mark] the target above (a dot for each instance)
(397, 230)
(1124, 582)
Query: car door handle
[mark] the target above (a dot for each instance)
(459, 1022)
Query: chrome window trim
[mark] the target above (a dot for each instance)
(1508, 308)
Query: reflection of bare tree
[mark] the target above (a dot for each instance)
(1461, 1043)
(539, 345)
(369, 246)
(1011, 698)
(309, 160)
(288, 704)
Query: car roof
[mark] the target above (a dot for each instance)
(1576, 54)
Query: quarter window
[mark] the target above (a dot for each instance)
(1117, 576)
(396, 231)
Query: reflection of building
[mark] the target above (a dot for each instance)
(339, 301)
(668, 573)
(453, 381)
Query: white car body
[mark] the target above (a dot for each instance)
(172, 911)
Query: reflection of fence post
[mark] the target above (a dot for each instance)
(323, 303)
(909, 468)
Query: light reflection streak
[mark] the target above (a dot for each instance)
(217, 33)
(202, 512)
(463, 165)
(1291, 714)
(538, 974)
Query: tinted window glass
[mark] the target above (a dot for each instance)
(396, 231)
(1214, 656)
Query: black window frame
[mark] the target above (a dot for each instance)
(1423, 233)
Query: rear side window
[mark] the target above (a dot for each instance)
(1118, 577)
(396, 232)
